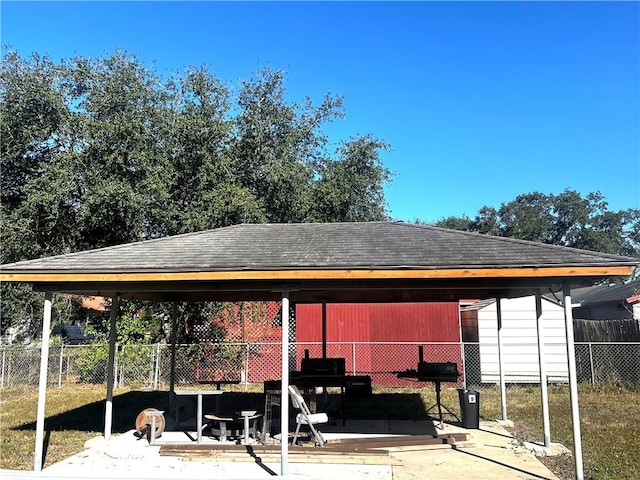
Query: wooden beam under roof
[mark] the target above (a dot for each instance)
(370, 274)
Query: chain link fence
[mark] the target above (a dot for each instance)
(244, 363)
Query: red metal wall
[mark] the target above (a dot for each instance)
(395, 322)
(384, 322)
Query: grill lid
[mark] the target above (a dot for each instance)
(322, 366)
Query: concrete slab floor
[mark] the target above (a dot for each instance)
(490, 453)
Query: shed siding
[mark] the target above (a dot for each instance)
(519, 335)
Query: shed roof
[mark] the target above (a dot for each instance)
(324, 257)
(607, 293)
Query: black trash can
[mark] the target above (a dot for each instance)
(469, 408)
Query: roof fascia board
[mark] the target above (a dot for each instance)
(303, 274)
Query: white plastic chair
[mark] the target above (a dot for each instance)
(305, 417)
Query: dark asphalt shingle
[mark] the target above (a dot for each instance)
(374, 245)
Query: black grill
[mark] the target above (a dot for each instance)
(322, 366)
(444, 372)
(436, 372)
(432, 371)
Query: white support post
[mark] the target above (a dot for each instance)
(503, 387)
(42, 386)
(284, 399)
(543, 372)
(108, 414)
(573, 383)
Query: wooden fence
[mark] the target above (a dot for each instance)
(627, 330)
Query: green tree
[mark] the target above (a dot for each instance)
(452, 222)
(101, 151)
(487, 221)
(528, 217)
(351, 187)
(566, 219)
(202, 186)
(278, 146)
(121, 162)
(32, 112)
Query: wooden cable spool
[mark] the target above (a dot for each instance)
(144, 421)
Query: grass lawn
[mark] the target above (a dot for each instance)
(610, 420)
(17, 423)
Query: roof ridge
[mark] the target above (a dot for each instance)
(317, 223)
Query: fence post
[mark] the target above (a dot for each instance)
(60, 365)
(152, 364)
(246, 368)
(593, 373)
(464, 365)
(116, 364)
(121, 366)
(157, 372)
(353, 357)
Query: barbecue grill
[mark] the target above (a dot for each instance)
(321, 372)
(436, 372)
(322, 367)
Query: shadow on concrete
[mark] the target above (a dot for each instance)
(492, 432)
(502, 464)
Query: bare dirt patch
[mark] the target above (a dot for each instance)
(561, 465)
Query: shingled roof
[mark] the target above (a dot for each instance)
(607, 293)
(371, 245)
(370, 251)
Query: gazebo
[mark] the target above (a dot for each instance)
(318, 263)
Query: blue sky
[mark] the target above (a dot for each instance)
(480, 101)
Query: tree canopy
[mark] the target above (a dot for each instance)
(101, 151)
(97, 152)
(567, 219)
